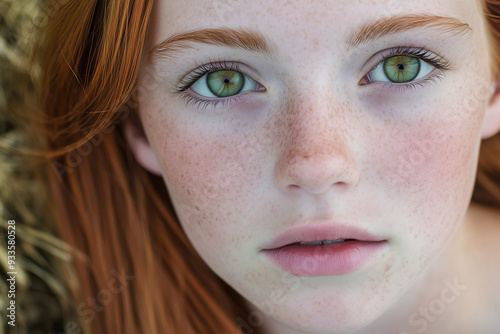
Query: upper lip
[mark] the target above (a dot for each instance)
(307, 232)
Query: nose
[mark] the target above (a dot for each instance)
(316, 153)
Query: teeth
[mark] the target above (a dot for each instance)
(311, 243)
(327, 242)
(322, 242)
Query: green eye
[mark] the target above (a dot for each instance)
(225, 83)
(401, 68)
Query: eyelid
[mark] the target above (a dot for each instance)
(401, 87)
(191, 97)
(188, 79)
(441, 66)
(428, 56)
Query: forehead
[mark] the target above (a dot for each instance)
(298, 18)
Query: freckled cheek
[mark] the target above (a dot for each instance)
(437, 156)
(431, 166)
(210, 178)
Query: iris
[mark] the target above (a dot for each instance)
(401, 68)
(225, 83)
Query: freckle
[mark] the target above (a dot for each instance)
(189, 193)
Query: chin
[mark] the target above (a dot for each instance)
(330, 312)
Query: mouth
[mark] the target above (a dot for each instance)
(327, 250)
(322, 235)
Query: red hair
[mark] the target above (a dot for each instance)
(140, 274)
(487, 188)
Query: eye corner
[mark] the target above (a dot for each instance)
(260, 88)
(364, 81)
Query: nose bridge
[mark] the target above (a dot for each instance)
(314, 123)
(315, 148)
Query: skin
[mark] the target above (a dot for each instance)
(317, 145)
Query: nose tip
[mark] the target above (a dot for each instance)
(316, 173)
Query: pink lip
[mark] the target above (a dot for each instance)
(325, 260)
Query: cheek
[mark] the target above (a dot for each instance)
(430, 159)
(211, 179)
(426, 168)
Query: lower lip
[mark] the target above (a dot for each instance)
(325, 260)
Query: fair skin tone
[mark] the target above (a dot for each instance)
(311, 138)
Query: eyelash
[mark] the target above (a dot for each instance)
(201, 70)
(438, 62)
(186, 82)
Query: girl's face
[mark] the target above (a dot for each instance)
(321, 119)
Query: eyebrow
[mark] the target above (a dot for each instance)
(255, 41)
(240, 38)
(396, 24)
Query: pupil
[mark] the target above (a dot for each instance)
(401, 66)
(227, 80)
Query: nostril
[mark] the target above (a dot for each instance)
(300, 169)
